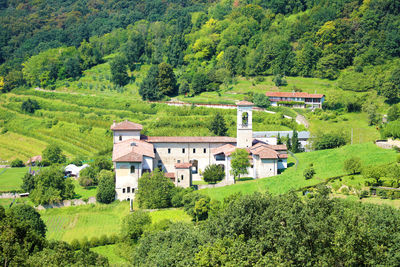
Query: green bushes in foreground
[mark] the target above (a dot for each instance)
(262, 230)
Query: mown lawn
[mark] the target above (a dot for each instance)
(327, 163)
(93, 220)
(11, 178)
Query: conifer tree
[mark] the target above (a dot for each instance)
(218, 126)
(295, 142)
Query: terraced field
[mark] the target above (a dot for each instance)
(79, 123)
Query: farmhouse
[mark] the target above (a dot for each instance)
(183, 159)
(296, 99)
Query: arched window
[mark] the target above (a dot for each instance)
(245, 119)
(120, 138)
(132, 169)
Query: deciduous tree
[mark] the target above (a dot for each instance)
(239, 163)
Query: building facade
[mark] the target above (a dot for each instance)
(184, 158)
(296, 99)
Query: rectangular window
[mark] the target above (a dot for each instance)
(194, 150)
(178, 161)
(120, 138)
(205, 150)
(155, 151)
(133, 190)
(169, 150)
(123, 190)
(132, 169)
(182, 177)
(183, 150)
(128, 189)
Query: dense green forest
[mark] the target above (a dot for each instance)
(206, 42)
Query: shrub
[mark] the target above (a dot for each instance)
(279, 80)
(103, 240)
(309, 173)
(133, 225)
(352, 165)
(85, 181)
(328, 140)
(213, 174)
(30, 106)
(94, 242)
(106, 189)
(75, 244)
(261, 100)
(363, 194)
(398, 158)
(17, 163)
(84, 242)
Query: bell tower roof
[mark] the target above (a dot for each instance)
(244, 103)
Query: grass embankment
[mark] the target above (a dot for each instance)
(327, 163)
(93, 220)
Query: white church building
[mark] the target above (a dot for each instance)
(183, 158)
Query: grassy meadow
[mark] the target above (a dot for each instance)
(327, 163)
(11, 178)
(71, 223)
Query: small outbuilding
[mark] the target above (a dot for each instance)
(34, 161)
(73, 170)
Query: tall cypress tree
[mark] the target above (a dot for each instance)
(288, 144)
(295, 142)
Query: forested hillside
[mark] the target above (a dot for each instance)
(196, 51)
(207, 42)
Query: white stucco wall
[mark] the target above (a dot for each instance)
(125, 135)
(125, 179)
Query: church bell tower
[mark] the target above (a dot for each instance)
(244, 124)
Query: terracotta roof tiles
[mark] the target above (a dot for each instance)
(132, 150)
(126, 126)
(293, 94)
(186, 165)
(189, 139)
(244, 103)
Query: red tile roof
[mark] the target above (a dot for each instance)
(189, 139)
(126, 126)
(283, 156)
(227, 149)
(34, 159)
(170, 175)
(183, 165)
(132, 150)
(244, 103)
(293, 94)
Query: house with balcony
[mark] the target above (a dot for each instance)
(296, 99)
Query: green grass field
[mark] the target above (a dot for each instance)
(92, 220)
(81, 192)
(11, 178)
(327, 163)
(111, 252)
